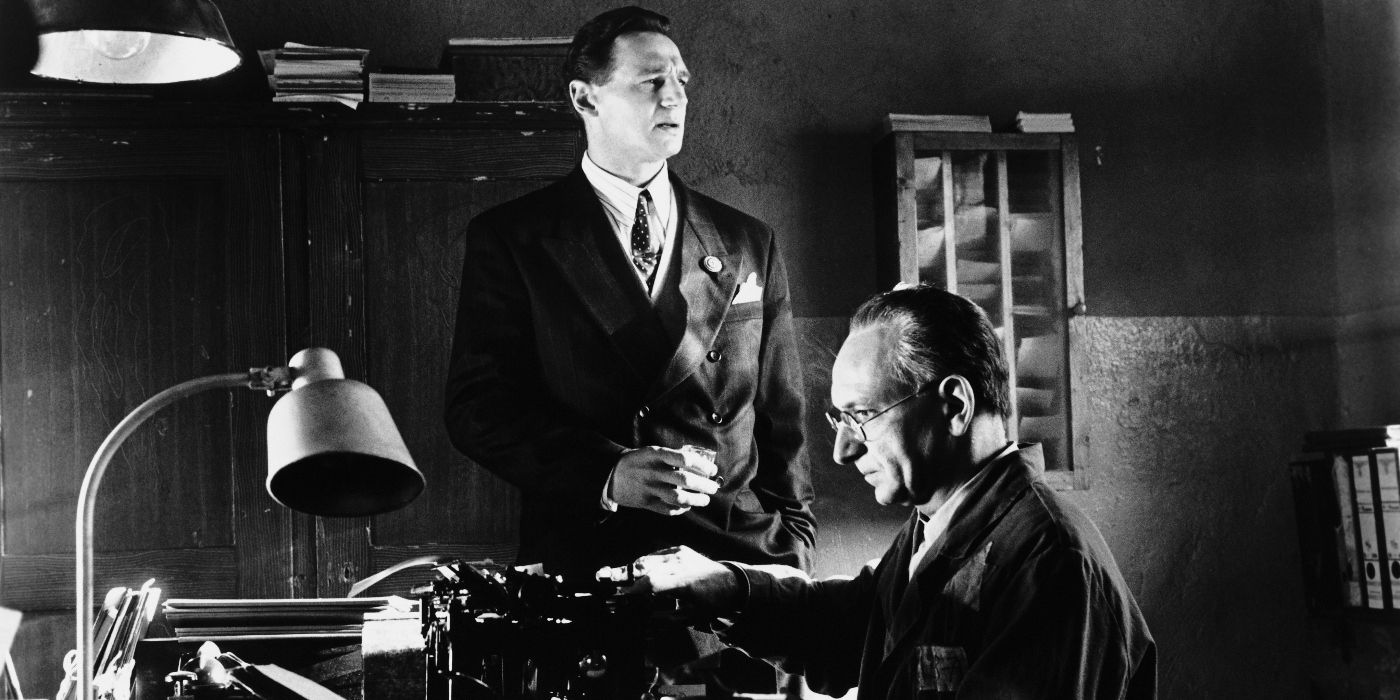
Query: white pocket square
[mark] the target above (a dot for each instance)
(749, 291)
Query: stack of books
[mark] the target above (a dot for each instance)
(938, 122)
(409, 86)
(1039, 122)
(201, 619)
(302, 73)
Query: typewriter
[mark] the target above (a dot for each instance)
(498, 633)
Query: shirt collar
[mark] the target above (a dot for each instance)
(621, 196)
(944, 514)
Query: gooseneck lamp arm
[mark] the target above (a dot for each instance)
(271, 379)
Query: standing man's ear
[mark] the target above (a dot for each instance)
(959, 403)
(581, 98)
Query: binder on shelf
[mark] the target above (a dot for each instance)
(1347, 531)
(1368, 527)
(1387, 460)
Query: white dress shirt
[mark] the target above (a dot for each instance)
(619, 199)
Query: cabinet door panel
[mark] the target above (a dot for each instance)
(414, 242)
(131, 261)
(104, 288)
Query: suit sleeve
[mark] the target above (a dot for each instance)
(783, 481)
(498, 413)
(816, 628)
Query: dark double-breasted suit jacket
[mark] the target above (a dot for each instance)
(561, 361)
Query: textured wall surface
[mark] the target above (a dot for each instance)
(1193, 423)
(1363, 98)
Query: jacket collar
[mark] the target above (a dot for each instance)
(987, 503)
(583, 247)
(585, 251)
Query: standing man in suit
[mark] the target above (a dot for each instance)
(617, 315)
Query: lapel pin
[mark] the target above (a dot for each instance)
(712, 263)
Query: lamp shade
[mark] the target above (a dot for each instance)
(132, 41)
(332, 448)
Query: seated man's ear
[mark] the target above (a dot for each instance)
(581, 97)
(958, 403)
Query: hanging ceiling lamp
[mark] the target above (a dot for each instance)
(132, 41)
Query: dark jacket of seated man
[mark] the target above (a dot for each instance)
(1020, 598)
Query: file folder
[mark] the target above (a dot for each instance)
(1346, 505)
(1368, 525)
(1387, 461)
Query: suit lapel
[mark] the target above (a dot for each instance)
(584, 249)
(893, 588)
(706, 294)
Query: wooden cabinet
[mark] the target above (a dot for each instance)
(995, 217)
(143, 243)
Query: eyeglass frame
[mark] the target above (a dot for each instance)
(841, 419)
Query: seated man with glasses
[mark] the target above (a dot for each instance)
(996, 588)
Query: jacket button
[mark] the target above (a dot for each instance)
(643, 411)
(713, 356)
(716, 418)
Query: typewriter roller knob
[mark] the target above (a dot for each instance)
(593, 665)
(180, 684)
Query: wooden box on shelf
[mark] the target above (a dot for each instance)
(995, 217)
(508, 69)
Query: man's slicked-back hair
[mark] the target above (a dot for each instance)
(590, 55)
(939, 333)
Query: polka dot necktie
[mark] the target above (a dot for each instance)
(644, 254)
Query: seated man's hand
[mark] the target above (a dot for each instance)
(704, 587)
(663, 480)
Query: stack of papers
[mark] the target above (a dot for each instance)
(1038, 122)
(302, 73)
(404, 86)
(229, 619)
(938, 122)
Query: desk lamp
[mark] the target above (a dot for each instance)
(132, 41)
(332, 450)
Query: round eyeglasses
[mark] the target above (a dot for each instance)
(838, 418)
